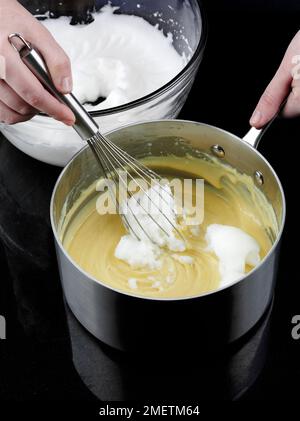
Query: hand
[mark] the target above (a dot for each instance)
(21, 94)
(286, 79)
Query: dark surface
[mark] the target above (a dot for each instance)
(243, 52)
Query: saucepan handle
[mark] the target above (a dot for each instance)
(253, 137)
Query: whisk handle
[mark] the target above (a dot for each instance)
(85, 126)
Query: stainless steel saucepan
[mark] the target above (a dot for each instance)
(128, 322)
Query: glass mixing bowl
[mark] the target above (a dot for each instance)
(52, 142)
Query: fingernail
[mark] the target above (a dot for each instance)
(69, 122)
(67, 84)
(256, 117)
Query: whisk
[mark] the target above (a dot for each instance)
(111, 158)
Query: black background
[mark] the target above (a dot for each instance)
(246, 43)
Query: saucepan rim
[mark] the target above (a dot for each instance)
(170, 299)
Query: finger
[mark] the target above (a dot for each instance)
(13, 101)
(9, 116)
(272, 98)
(278, 88)
(57, 61)
(27, 86)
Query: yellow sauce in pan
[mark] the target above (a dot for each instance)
(230, 198)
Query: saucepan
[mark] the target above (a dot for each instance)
(214, 319)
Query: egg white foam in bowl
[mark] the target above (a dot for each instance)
(120, 58)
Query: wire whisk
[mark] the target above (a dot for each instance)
(118, 164)
(161, 218)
